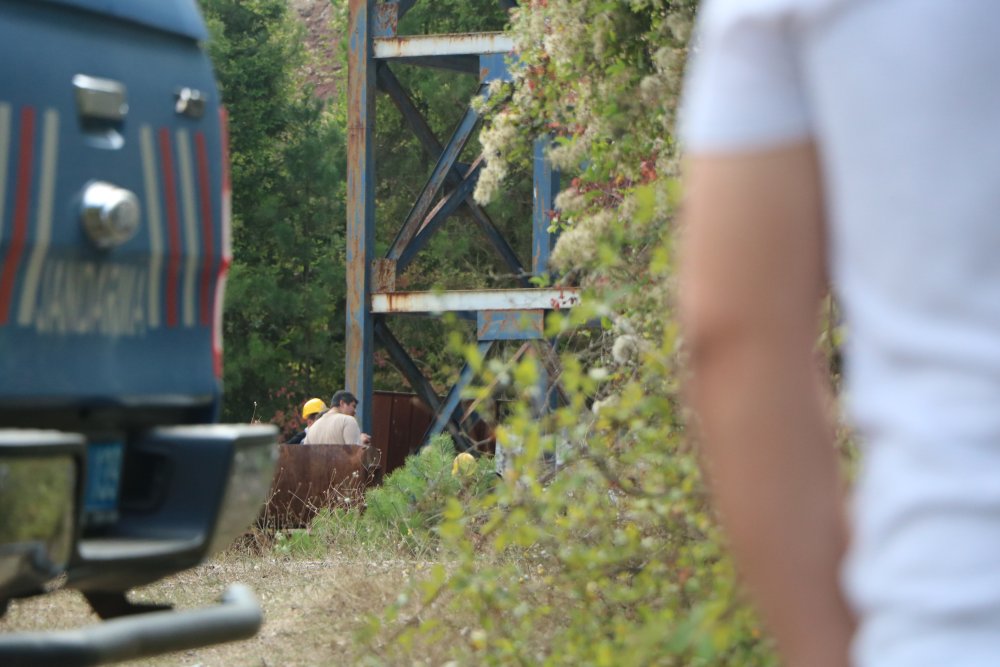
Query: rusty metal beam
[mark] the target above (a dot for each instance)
(360, 207)
(421, 385)
(437, 178)
(474, 300)
(444, 208)
(391, 85)
(459, 44)
(452, 402)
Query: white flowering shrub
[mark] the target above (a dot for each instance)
(598, 546)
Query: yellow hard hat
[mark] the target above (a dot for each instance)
(312, 406)
(463, 465)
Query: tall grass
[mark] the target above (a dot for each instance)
(398, 518)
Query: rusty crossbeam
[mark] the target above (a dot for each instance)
(555, 298)
(424, 46)
(435, 181)
(419, 126)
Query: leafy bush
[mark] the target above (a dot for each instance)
(400, 516)
(615, 558)
(409, 505)
(612, 559)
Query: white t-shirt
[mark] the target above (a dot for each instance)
(334, 428)
(902, 98)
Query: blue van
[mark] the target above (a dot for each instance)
(114, 248)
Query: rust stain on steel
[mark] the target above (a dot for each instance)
(568, 300)
(360, 196)
(311, 477)
(511, 324)
(471, 43)
(397, 301)
(386, 19)
(384, 275)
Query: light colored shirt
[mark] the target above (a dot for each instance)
(902, 100)
(334, 428)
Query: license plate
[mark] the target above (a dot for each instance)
(104, 472)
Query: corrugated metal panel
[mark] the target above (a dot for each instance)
(310, 477)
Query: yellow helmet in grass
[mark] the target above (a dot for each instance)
(464, 465)
(313, 406)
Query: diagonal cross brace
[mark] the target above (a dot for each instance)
(390, 84)
(420, 385)
(430, 192)
(439, 214)
(451, 403)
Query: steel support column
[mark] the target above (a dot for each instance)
(360, 208)
(546, 185)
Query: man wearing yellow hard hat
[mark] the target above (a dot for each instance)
(312, 410)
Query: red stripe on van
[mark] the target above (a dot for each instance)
(225, 251)
(22, 198)
(207, 226)
(173, 227)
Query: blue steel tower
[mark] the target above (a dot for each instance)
(372, 299)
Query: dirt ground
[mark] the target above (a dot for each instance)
(311, 608)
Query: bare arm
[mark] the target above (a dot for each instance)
(752, 274)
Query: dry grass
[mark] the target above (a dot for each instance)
(312, 608)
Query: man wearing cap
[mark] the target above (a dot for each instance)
(338, 426)
(312, 410)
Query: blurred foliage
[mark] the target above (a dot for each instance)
(38, 496)
(599, 547)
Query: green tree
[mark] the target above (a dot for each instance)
(284, 325)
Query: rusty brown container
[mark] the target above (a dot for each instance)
(311, 477)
